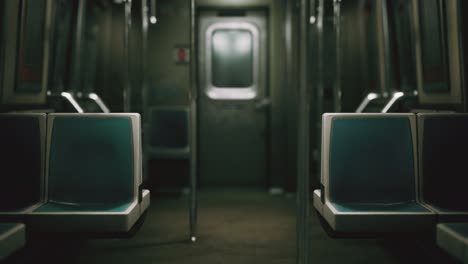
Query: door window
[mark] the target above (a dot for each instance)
(232, 59)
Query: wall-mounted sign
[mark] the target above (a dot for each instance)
(181, 54)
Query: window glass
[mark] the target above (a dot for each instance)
(232, 58)
(31, 44)
(433, 48)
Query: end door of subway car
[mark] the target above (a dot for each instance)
(233, 99)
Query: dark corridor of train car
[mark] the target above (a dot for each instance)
(220, 131)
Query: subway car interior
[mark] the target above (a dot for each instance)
(221, 131)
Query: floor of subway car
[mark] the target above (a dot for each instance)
(235, 226)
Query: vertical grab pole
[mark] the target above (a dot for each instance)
(461, 41)
(383, 47)
(337, 86)
(144, 52)
(319, 91)
(193, 126)
(127, 95)
(387, 48)
(144, 81)
(303, 195)
(78, 52)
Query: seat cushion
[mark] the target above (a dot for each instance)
(407, 217)
(54, 207)
(406, 207)
(12, 238)
(55, 217)
(453, 238)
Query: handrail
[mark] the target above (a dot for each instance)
(367, 100)
(69, 98)
(397, 96)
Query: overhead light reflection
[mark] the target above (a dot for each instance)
(243, 43)
(220, 42)
(232, 42)
(312, 20)
(371, 96)
(398, 94)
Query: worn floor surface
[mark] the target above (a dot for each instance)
(235, 226)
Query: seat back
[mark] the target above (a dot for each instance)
(442, 142)
(169, 130)
(22, 141)
(370, 158)
(93, 158)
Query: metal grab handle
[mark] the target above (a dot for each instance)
(95, 97)
(69, 98)
(367, 100)
(398, 96)
(99, 102)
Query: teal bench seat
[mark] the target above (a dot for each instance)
(369, 174)
(168, 132)
(442, 166)
(93, 175)
(22, 151)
